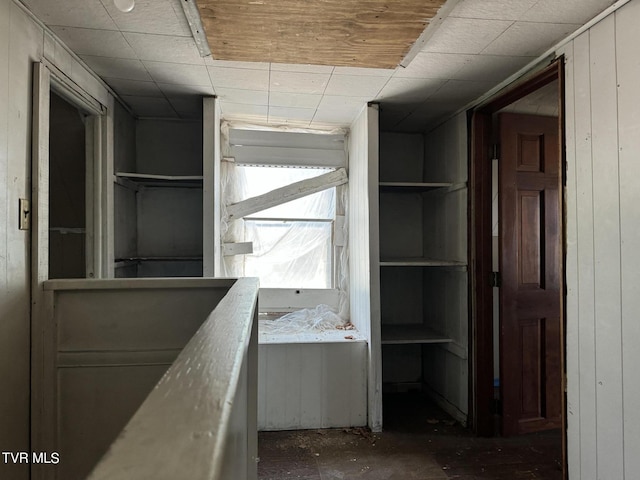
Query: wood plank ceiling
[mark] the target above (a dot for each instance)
(353, 33)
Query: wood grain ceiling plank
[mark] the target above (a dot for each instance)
(358, 33)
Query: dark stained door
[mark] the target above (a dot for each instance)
(531, 273)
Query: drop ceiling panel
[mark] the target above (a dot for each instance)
(433, 65)
(164, 48)
(249, 97)
(180, 74)
(240, 78)
(238, 111)
(72, 13)
(180, 89)
(465, 35)
(291, 115)
(134, 87)
(529, 39)
(150, 106)
(365, 33)
(491, 67)
(150, 16)
(297, 100)
(566, 11)
(101, 43)
(294, 82)
(291, 67)
(409, 90)
(117, 67)
(355, 85)
(493, 9)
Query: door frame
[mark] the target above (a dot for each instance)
(480, 246)
(99, 230)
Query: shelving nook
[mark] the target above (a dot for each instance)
(423, 268)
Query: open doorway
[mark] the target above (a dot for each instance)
(518, 244)
(67, 190)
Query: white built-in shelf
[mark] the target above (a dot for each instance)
(158, 259)
(401, 187)
(411, 334)
(421, 262)
(149, 180)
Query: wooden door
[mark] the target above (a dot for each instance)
(531, 273)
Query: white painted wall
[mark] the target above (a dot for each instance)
(22, 42)
(446, 366)
(364, 256)
(603, 245)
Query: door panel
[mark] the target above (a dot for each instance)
(530, 264)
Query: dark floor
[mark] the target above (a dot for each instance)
(419, 442)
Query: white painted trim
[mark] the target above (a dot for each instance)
(210, 191)
(240, 248)
(286, 194)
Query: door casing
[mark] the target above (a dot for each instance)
(481, 396)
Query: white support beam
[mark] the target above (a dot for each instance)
(286, 194)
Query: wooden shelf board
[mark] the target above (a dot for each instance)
(411, 334)
(147, 179)
(408, 187)
(159, 259)
(420, 262)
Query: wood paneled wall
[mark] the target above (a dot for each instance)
(364, 249)
(603, 248)
(22, 42)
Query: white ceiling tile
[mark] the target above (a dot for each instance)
(374, 72)
(298, 82)
(491, 67)
(409, 90)
(288, 114)
(297, 100)
(150, 16)
(348, 85)
(433, 65)
(177, 73)
(301, 68)
(241, 78)
(566, 11)
(339, 110)
(343, 116)
(457, 93)
(150, 106)
(231, 64)
(231, 111)
(529, 39)
(236, 95)
(492, 9)
(134, 87)
(175, 89)
(164, 48)
(187, 106)
(117, 67)
(101, 43)
(330, 102)
(72, 13)
(465, 35)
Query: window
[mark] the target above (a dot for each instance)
(292, 242)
